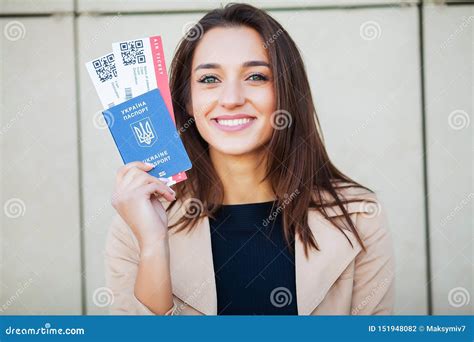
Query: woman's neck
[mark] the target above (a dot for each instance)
(241, 176)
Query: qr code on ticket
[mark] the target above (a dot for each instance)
(132, 52)
(105, 67)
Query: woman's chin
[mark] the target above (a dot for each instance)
(235, 149)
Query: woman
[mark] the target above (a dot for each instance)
(265, 223)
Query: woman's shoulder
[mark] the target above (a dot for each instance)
(355, 198)
(364, 205)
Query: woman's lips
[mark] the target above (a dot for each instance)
(233, 123)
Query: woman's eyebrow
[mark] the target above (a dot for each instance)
(255, 63)
(208, 66)
(245, 65)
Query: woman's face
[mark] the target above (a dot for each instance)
(232, 90)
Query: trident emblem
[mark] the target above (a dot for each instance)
(144, 132)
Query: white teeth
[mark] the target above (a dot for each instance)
(235, 122)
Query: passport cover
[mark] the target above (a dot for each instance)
(143, 130)
(140, 65)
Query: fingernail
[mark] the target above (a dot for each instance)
(164, 180)
(171, 191)
(150, 165)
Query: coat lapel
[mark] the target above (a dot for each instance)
(192, 268)
(316, 274)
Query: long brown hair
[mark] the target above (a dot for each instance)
(297, 161)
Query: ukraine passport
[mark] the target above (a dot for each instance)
(143, 130)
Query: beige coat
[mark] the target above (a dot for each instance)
(337, 280)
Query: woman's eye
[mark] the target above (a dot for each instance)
(208, 79)
(257, 77)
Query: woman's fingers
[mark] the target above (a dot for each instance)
(160, 189)
(139, 178)
(122, 172)
(136, 178)
(133, 176)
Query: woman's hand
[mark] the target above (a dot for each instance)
(136, 199)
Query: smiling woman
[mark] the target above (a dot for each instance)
(257, 154)
(233, 93)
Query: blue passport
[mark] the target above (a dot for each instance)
(143, 130)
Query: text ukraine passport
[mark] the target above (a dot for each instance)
(143, 130)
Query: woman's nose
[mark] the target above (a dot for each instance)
(232, 95)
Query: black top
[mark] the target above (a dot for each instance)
(254, 269)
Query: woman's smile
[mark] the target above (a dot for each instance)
(233, 123)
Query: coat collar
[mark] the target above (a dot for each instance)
(192, 270)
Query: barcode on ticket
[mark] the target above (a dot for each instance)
(128, 93)
(103, 73)
(132, 52)
(105, 67)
